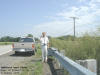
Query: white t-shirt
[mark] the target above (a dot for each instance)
(44, 40)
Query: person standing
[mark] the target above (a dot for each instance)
(44, 46)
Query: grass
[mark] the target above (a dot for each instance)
(5, 43)
(81, 48)
(86, 47)
(33, 69)
(35, 66)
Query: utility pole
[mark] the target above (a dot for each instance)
(74, 20)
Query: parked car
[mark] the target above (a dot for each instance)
(25, 45)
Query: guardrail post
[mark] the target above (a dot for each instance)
(63, 53)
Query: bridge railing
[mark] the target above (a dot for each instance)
(72, 67)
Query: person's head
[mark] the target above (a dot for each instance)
(43, 34)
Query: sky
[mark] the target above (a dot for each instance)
(22, 17)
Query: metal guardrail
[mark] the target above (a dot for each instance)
(72, 67)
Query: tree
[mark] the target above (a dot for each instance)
(9, 39)
(68, 37)
(29, 35)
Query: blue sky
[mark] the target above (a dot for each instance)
(20, 17)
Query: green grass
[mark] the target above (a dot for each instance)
(5, 43)
(81, 48)
(35, 66)
(86, 47)
(33, 69)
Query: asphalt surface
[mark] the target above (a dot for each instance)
(11, 59)
(8, 56)
(8, 59)
(5, 49)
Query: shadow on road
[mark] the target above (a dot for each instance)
(36, 60)
(53, 70)
(21, 55)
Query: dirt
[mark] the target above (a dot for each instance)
(46, 69)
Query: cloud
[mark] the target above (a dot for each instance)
(82, 0)
(88, 15)
(53, 28)
(95, 1)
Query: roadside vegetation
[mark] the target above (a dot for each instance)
(85, 47)
(9, 39)
(79, 48)
(34, 66)
(6, 43)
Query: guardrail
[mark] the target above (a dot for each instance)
(72, 67)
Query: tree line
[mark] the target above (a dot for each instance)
(14, 39)
(9, 39)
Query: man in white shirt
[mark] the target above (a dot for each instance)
(44, 45)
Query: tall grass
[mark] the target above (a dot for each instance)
(81, 48)
(86, 47)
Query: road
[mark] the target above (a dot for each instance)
(9, 59)
(5, 49)
(7, 56)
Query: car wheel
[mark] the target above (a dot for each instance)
(33, 52)
(16, 52)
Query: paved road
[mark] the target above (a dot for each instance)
(11, 60)
(5, 49)
(8, 57)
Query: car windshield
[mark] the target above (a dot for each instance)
(26, 40)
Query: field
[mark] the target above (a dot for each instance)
(5, 43)
(81, 48)
(86, 47)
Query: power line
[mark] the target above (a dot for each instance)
(66, 32)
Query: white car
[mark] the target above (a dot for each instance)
(25, 45)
